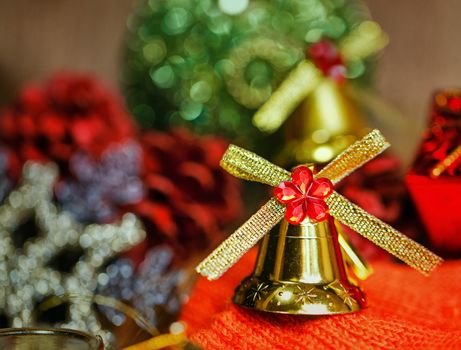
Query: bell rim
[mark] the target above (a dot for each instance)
(298, 298)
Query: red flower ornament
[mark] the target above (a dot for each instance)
(304, 196)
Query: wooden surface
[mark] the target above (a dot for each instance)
(424, 54)
(39, 37)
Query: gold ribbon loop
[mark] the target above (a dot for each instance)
(247, 165)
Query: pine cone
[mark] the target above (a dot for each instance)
(70, 113)
(189, 198)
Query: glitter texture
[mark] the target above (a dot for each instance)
(26, 274)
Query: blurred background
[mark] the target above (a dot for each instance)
(38, 38)
(135, 103)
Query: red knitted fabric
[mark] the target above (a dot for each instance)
(406, 311)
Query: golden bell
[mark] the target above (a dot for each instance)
(300, 270)
(322, 126)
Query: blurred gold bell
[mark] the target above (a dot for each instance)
(300, 270)
(322, 126)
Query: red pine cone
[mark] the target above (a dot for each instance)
(70, 112)
(189, 198)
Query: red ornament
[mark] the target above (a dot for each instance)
(378, 188)
(442, 136)
(189, 198)
(327, 58)
(71, 112)
(304, 196)
(437, 195)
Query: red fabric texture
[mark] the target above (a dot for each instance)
(406, 311)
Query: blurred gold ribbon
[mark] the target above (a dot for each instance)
(249, 166)
(364, 40)
(168, 340)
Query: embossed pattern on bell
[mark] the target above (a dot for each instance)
(300, 270)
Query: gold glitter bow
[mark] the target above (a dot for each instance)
(249, 166)
(365, 40)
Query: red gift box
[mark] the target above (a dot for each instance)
(435, 178)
